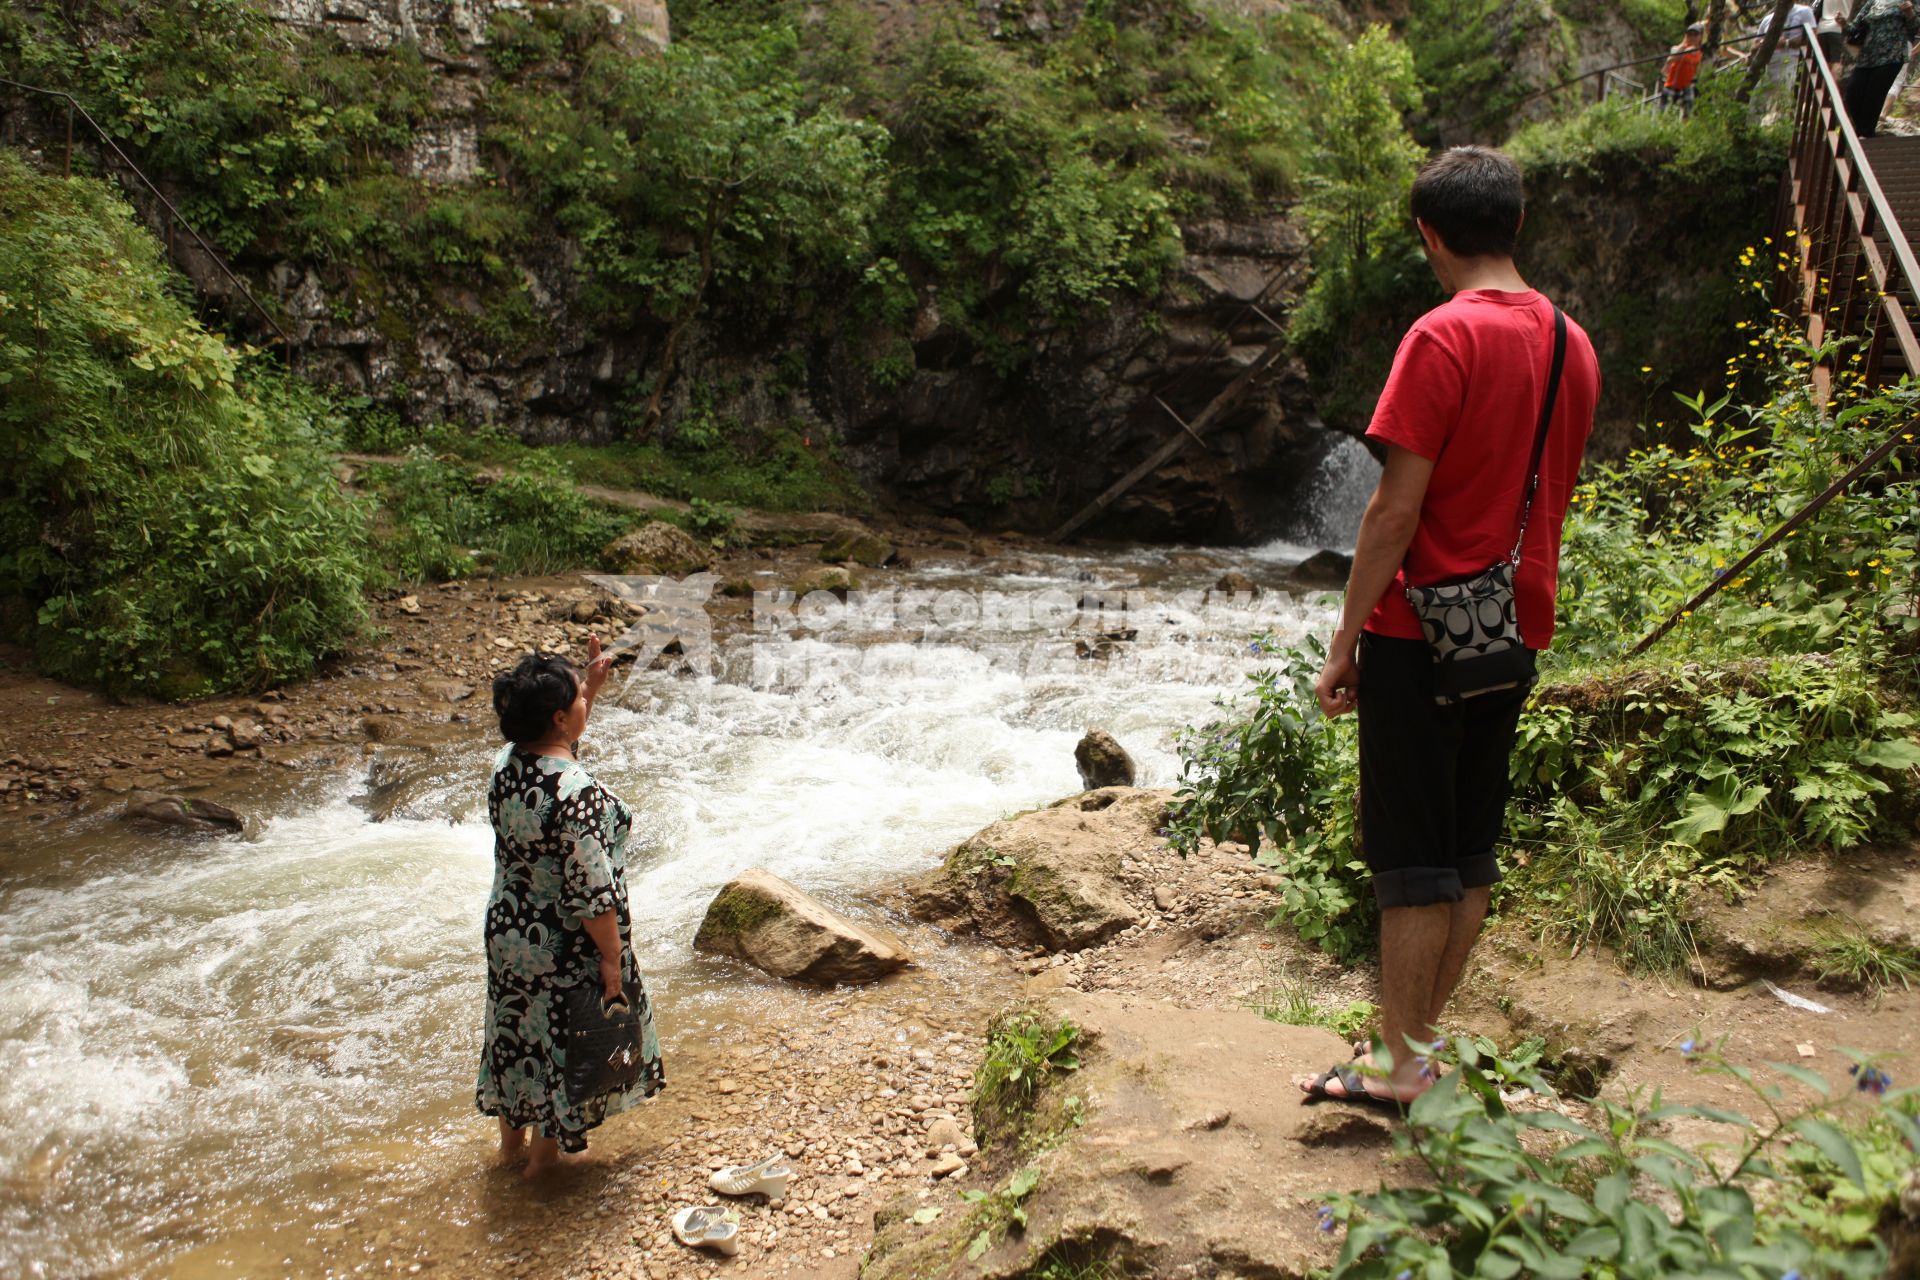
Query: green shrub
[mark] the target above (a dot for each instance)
(1024, 1051)
(167, 506)
(441, 520)
(1786, 1191)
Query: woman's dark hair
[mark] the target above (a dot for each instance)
(1473, 198)
(526, 697)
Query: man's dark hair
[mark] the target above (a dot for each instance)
(1472, 197)
(526, 697)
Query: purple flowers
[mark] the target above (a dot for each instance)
(1327, 1222)
(1870, 1079)
(1688, 1046)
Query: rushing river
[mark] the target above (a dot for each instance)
(211, 1042)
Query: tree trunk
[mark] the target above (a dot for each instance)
(1757, 62)
(1716, 16)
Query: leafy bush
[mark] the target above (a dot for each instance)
(1536, 1192)
(440, 520)
(167, 508)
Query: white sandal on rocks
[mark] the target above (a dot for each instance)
(706, 1227)
(769, 1177)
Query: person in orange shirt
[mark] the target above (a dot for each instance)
(1676, 84)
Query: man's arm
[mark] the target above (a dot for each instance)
(1388, 526)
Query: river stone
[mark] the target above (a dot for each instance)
(1323, 569)
(179, 811)
(761, 919)
(858, 544)
(657, 548)
(831, 579)
(1103, 761)
(1050, 878)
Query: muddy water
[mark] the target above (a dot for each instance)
(211, 1053)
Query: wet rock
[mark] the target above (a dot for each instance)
(1050, 878)
(446, 690)
(1323, 569)
(1103, 762)
(1235, 583)
(832, 579)
(860, 545)
(770, 924)
(245, 734)
(657, 548)
(185, 813)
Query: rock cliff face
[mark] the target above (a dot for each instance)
(957, 436)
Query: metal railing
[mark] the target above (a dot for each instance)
(1856, 272)
(1608, 75)
(76, 111)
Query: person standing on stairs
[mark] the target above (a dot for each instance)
(1470, 404)
(1883, 32)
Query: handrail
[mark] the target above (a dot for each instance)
(1820, 116)
(1821, 206)
(1621, 66)
(73, 108)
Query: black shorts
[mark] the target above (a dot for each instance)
(1433, 779)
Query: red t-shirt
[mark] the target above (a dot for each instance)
(1682, 67)
(1465, 393)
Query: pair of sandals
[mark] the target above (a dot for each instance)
(710, 1227)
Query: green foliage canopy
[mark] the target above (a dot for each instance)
(167, 513)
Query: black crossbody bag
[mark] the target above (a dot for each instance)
(1472, 624)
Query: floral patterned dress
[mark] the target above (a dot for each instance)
(559, 842)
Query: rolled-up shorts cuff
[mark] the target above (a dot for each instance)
(1479, 871)
(1417, 886)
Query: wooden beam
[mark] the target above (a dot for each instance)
(1229, 395)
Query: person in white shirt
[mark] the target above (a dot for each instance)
(1800, 28)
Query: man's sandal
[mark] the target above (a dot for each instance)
(1357, 1092)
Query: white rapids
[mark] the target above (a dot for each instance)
(204, 1039)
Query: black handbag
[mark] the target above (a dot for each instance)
(1472, 624)
(605, 1053)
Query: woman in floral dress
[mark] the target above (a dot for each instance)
(557, 916)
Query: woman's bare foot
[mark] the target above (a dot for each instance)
(513, 1144)
(544, 1156)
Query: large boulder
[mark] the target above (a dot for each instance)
(657, 548)
(1323, 569)
(763, 920)
(1103, 761)
(1051, 878)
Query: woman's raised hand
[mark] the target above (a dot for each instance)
(598, 665)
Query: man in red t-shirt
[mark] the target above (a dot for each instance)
(1680, 70)
(1458, 419)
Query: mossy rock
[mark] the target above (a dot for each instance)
(861, 546)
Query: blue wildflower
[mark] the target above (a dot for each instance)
(1327, 1222)
(1870, 1079)
(1791, 1275)
(1254, 647)
(1687, 1047)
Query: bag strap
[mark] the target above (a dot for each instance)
(1540, 432)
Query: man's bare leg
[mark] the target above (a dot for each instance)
(1464, 921)
(1413, 942)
